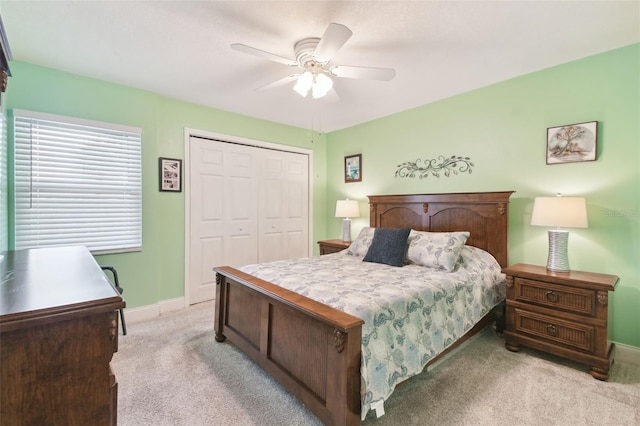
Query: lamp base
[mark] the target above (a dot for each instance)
(346, 230)
(558, 259)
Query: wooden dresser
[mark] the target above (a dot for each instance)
(563, 313)
(58, 333)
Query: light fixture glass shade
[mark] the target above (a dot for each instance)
(559, 212)
(303, 83)
(321, 86)
(347, 208)
(318, 83)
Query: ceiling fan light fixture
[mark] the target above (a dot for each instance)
(304, 83)
(321, 85)
(313, 57)
(318, 83)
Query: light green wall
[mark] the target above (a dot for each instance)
(4, 187)
(4, 200)
(157, 272)
(502, 128)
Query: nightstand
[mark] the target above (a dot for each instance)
(562, 313)
(332, 246)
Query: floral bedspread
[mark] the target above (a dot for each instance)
(410, 313)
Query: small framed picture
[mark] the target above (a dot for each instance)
(170, 174)
(572, 143)
(353, 168)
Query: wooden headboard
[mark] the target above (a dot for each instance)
(483, 214)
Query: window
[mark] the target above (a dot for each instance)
(77, 182)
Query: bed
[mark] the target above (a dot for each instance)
(315, 350)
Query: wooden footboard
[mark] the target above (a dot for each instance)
(311, 349)
(314, 350)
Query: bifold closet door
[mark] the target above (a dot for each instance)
(283, 207)
(223, 211)
(247, 204)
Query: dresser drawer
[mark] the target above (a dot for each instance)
(571, 299)
(568, 333)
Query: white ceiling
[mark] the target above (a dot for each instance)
(180, 49)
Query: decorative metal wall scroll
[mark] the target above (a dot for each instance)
(435, 167)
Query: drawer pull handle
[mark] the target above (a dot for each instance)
(552, 296)
(552, 330)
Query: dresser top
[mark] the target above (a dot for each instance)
(51, 282)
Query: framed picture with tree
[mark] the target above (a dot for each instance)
(572, 143)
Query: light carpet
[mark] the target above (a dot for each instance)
(172, 372)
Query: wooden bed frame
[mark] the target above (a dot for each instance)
(314, 350)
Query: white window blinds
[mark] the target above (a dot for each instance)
(4, 218)
(77, 182)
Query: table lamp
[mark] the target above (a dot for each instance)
(560, 212)
(347, 209)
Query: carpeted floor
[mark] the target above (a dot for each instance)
(172, 372)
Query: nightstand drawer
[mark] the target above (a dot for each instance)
(333, 246)
(330, 249)
(572, 299)
(575, 335)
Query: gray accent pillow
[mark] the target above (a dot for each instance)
(388, 246)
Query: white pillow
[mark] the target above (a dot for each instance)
(438, 250)
(360, 246)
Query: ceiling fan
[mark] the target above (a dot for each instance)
(313, 58)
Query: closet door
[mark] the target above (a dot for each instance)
(283, 207)
(247, 205)
(223, 211)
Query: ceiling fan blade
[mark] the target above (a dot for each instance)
(278, 83)
(332, 96)
(262, 54)
(335, 36)
(368, 73)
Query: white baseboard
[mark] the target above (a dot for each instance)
(627, 354)
(148, 312)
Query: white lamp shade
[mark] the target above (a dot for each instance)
(347, 208)
(560, 212)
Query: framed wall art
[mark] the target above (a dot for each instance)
(572, 143)
(353, 168)
(170, 174)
